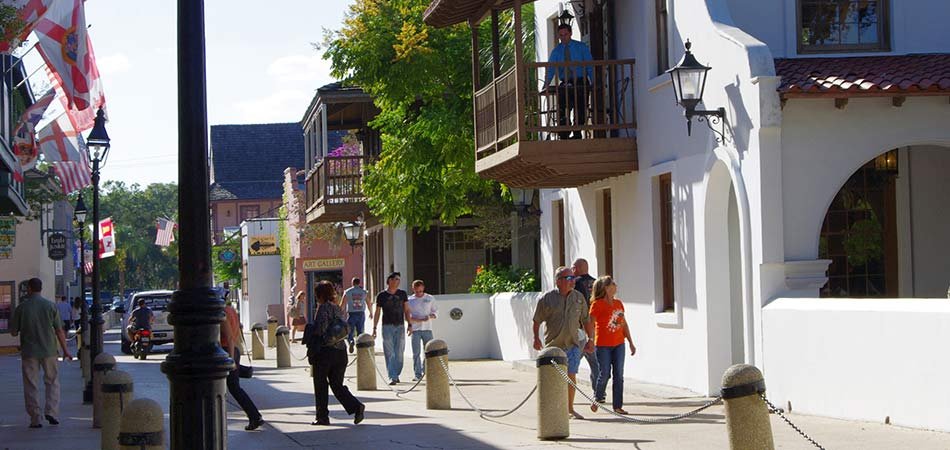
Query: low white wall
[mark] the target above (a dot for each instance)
(470, 337)
(863, 359)
(511, 315)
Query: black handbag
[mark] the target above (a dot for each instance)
(245, 371)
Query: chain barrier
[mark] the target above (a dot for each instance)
(395, 391)
(633, 419)
(779, 412)
(292, 352)
(480, 412)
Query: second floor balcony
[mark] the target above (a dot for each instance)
(334, 189)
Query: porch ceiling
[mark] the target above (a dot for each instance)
(444, 13)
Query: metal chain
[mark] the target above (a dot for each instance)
(480, 412)
(395, 391)
(780, 413)
(633, 419)
(291, 351)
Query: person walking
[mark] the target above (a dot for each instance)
(65, 313)
(297, 318)
(354, 309)
(231, 335)
(328, 358)
(77, 304)
(563, 310)
(393, 305)
(38, 325)
(610, 330)
(422, 310)
(583, 283)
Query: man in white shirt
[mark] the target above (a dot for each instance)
(354, 309)
(422, 310)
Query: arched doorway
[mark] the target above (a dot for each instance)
(723, 262)
(884, 229)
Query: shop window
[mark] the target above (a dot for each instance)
(608, 235)
(842, 26)
(665, 236)
(6, 305)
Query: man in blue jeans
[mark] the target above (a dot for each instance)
(354, 309)
(422, 311)
(393, 306)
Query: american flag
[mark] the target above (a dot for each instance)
(165, 235)
(74, 175)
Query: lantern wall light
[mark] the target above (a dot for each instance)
(689, 82)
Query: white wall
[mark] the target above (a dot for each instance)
(860, 359)
(29, 261)
(929, 184)
(263, 273)
(823, 146)
(470, 337)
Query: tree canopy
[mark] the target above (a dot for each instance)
(420, 78)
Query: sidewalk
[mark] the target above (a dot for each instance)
(285, 397)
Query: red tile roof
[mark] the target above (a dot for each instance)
(864, 76)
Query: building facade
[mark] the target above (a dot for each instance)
(750, 240)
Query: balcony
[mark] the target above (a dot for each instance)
(533, 139)
(335, 189)
(12, 193)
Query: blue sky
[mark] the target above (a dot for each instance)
(261, 68)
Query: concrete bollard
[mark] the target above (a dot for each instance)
(102, 364)
(283, 347)
(553, 421)
(272, 332)
(116, 393)
(257, 341)
(747, 416)
(365, 373)
(437, 380)
(143, 426)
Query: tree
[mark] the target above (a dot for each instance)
(421, 79)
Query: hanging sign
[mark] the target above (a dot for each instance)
(56, 246)
(262, 245)
(7, 231)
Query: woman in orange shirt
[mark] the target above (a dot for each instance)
(610, 330)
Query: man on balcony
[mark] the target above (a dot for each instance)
(572, 82)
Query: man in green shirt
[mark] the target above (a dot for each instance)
(36, 321)
(563, 311)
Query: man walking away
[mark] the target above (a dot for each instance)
(422, 310)
(583, 283)
(563, 310)
(354, 309)
(230, 336)
(36, 321)
(65, 313)
(393, 305)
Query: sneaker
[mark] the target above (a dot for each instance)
(393, 382)
(416, 378)
(320, 422)
(255, 424)
(351, 347)
(52, 420)
(358, 417)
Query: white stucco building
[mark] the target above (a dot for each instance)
(808, 240)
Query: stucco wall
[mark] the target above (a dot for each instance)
(929, 203)
(467, 338)
(263, 274)
(29, 261)
(860, 359)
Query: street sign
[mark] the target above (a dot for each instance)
(227, 255)
(262, 245)
(56, 246)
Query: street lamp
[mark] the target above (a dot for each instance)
(351, 231)
(97, 149)
(79, 213)
(522, 199)
(689, 82)
(197, 366)
(566, 18)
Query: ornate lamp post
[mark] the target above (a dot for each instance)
(689, 82)
(79, 214)
(97, 148)
(197, 366)
(351, 231)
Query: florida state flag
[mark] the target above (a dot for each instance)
(28, 12)
(64, 44)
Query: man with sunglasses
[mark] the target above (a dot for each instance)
(563, 310)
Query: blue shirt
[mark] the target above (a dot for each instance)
(579, 52)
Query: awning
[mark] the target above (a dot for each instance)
(444, 13)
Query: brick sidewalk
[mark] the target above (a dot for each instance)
(285, 397)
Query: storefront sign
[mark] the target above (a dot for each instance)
(324, 264)
(7, 231)
(56, 246)
(262, 245)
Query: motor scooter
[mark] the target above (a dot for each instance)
(141, 343)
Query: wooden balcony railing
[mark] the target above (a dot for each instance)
(561, 100)
(337, 180)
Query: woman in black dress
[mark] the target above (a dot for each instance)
(328, 359)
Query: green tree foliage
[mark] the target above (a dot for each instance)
(421, 79)
(139, 263)
(493, 279)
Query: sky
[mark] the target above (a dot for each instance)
(261, 68)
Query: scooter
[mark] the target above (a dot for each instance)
(141, 344)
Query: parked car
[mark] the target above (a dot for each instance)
(118, 305)
(157, 301)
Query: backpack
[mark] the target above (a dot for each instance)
(336, 331)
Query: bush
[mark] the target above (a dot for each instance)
(493, 279)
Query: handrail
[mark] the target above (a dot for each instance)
(336, 179)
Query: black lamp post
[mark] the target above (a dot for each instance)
(79, 213)
(97, 148)
(689, 82)
(197, 366)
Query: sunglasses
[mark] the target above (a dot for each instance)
(567, 277)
